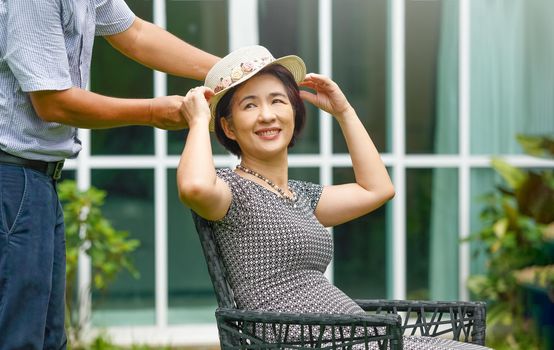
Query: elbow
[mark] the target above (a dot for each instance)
(50, 114)
(191, 192)
(187, 193)
(384, 194)
(50, 106)
(389, 192)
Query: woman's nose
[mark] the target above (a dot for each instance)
(266, 114)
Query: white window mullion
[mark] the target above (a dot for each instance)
(160, 187)
(464, 188)
(325, 19)
(397, 105)
(84, 273)
(243, 23)
(160, 215)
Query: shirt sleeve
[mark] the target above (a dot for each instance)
(238, 209)
(310, 191)
(112, 17)
(35, 45)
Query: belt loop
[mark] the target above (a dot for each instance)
(58, 166)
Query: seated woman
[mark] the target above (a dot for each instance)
(271, 230)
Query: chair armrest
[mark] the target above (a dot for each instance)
(275, 330)
(464, 320)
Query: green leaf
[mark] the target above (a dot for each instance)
(513, 176)
(538, 146)
(500, 227)
(535, 198)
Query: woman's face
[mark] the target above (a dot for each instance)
(262, 117)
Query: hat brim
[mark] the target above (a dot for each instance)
(294, 64)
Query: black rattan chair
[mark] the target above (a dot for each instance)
(245, 329)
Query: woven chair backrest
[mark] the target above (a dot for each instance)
(218, 274)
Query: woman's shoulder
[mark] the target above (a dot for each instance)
(228, 175)
(309, 190)
(224, 172)
(235, 182)
(237, 208)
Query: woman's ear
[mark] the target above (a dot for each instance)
(228, 129)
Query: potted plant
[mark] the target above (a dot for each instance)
(517, 239)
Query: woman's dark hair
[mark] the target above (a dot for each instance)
(223, 108)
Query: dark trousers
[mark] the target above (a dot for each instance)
(32, 261)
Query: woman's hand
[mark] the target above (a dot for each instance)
(328, 96)
(195, 107)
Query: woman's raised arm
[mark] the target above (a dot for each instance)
(198, 185)
(373, 186)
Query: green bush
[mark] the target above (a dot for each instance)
(517, 239)
(88, 231)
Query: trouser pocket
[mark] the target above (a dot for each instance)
(12, 195)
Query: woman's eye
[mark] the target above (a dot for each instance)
(249, 106)
(277, 100)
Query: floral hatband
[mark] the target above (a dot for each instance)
(242, 70)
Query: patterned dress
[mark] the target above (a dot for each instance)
(276, 252)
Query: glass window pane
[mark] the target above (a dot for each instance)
(360, 246)
(177, 139)
(129, 206)
(483, 181)
(191, 295)
(203, 24)
(304, 174)
(360, 64)
(512, 80)
(431, 76)
(113, 74)
(432, 233)
(290, 27)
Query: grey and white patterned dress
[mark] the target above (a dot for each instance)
(276, 252)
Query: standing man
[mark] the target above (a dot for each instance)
(45, 55)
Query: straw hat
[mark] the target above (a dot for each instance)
(241, 65)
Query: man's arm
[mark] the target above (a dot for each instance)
(158, 49)
(142, 41)
(147, 44)
(84, 109)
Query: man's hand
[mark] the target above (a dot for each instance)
(165, 113)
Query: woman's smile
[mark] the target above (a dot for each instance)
(268, 133)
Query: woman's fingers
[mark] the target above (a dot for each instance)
(201, 90)
(328, 96)
(317, 79)
(308, 97)
(195, 104)
(199, 95)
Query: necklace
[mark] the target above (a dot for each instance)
(291, 199)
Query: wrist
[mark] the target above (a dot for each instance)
(151, 112)
(346, 115)
(200, 122)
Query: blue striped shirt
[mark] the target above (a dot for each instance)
(47, 45)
